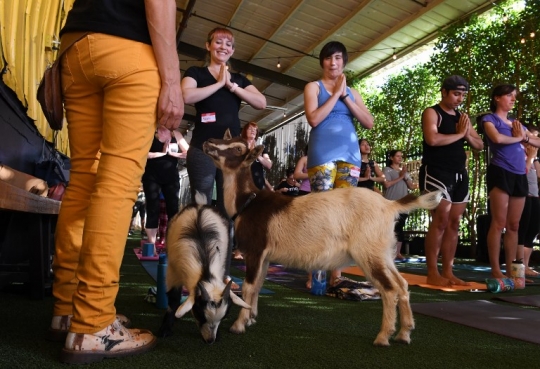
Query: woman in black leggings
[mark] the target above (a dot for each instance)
(161, 175)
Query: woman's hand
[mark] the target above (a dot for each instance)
(224, 76)
(517, 130)
(340, 88)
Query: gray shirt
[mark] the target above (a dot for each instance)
(398, 190)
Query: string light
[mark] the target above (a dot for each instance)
(394, 56)
(457, 49)
(278, 63)
(523, 40)
(505, 17)
(532, 34)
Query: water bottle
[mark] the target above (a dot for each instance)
(497, 285)
(162, 302)
(318, 282)
(517, 272)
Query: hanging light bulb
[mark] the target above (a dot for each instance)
(532, 34)
(457, 49)
(278, 63)
(522, 40)
(394, 56)
(505, 17)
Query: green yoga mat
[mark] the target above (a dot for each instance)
(510, 321)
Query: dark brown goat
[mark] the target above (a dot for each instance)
(326, 230)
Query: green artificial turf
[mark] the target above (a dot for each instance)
(294, 330)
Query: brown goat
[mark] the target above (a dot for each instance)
(326, 230)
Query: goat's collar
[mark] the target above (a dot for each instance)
(250, 198)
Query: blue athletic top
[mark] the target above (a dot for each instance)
(507, 156)
(335, 137)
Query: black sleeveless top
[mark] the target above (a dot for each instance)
(123, 18)
(448, 157)
(367, 184)
(162, 169)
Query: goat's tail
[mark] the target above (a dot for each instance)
(200, 198)
(411, 202)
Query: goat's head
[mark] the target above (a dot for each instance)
(210, 307)
(231, 153)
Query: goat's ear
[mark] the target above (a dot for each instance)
(227, 136)
(254, 154)
(185, 307)
(238, 301)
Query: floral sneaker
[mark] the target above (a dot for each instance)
(113, 341)
(60, 326)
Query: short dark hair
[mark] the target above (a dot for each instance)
(289, 172)
(330, 49)
(500, 90)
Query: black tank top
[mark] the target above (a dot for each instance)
(162, 169)
(448, 157)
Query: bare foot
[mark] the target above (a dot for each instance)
(308, 284)
(530, 272)
(438, 280)
(498, 275)
(458, 282)
(399, 257)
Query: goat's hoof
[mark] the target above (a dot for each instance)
(165, 331)
(403, 337)
(381, 341)
(238, 328)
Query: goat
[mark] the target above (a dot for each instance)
(197, 240)
(326, 230)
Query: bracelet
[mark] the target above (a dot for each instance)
(526, 139)
(234, 86)
(342, 98)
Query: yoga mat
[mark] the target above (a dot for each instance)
(510, 321)
(292, 278)
(420, 280)
(533, 300)
(151, 268)
(346, 289)
(139, 255)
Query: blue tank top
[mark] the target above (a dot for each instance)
(335, 138)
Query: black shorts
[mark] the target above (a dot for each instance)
(454, 185)
(513, 184)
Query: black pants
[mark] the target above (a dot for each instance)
(152, 190)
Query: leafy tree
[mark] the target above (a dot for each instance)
(487, 50)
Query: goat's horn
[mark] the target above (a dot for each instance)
(204, 294)
(227, 290)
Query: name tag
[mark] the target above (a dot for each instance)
(355, 172)
(208, 117)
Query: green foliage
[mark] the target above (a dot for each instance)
(487, 50)
(397, 107)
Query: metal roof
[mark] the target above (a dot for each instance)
(293, 32)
